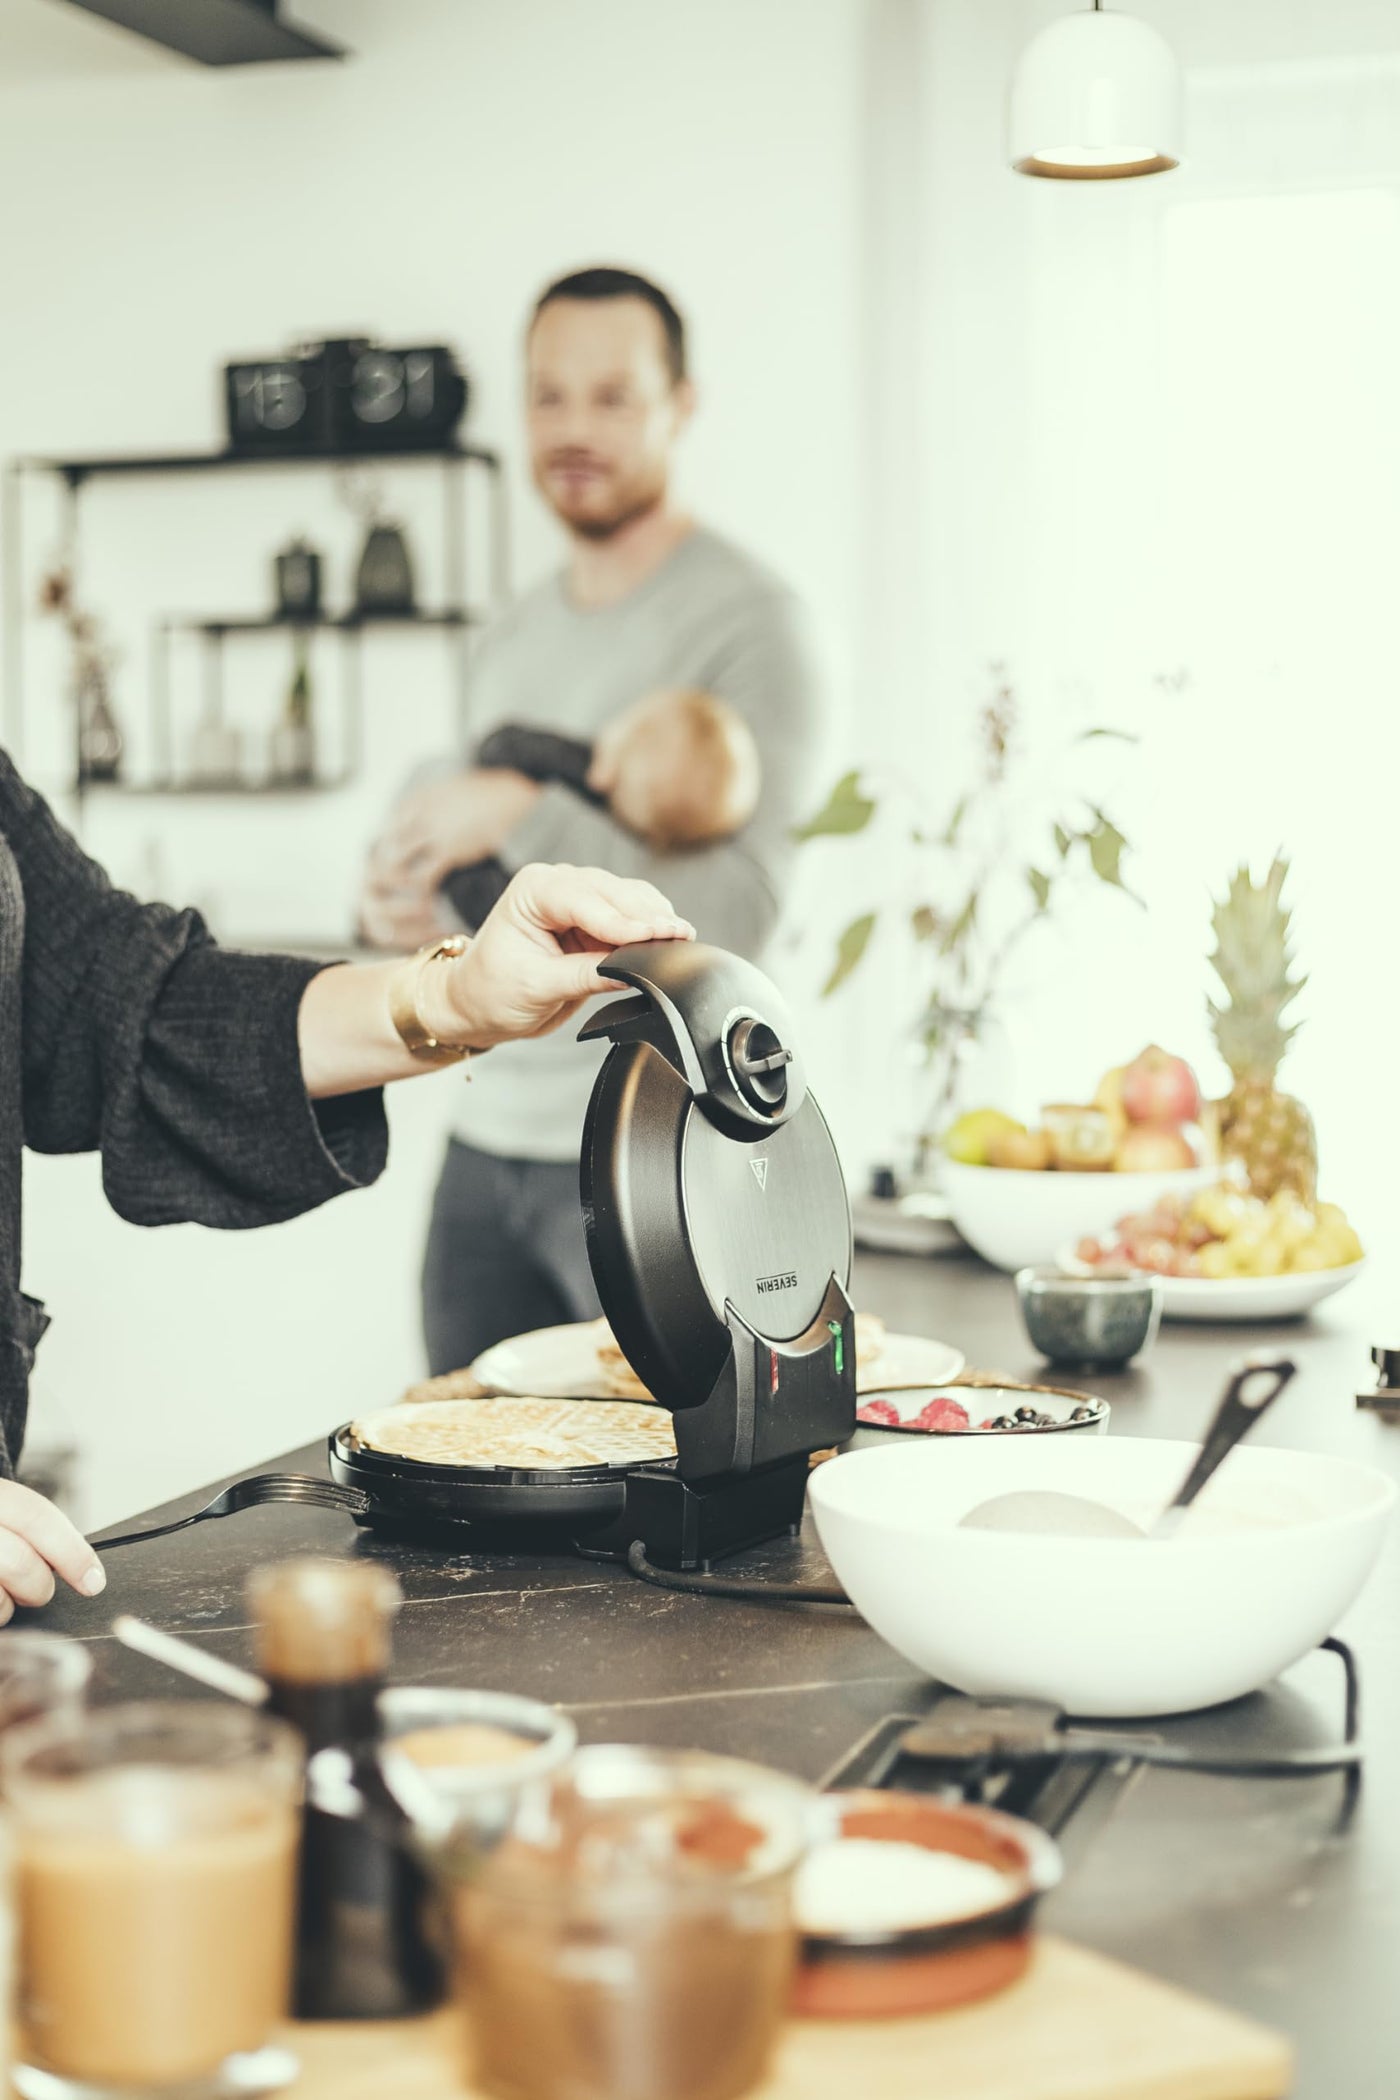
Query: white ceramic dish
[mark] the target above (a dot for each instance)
(561, 1363)
(1253, 1298)
(1017, 1220)
(1100, 1626)
(984, 1402)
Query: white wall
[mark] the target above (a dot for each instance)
(425, 190)
(1157, 439)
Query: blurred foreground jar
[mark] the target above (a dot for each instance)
(324, 1636)
(155, 1851)
(39, 1674)
(632, 1938)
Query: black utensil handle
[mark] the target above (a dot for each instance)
(152, 1531)
(1254, 1386)
(251, 1494)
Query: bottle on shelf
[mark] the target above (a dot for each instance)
(216, 750)
(292, 750)
(296, 574)
(100, 742)
(324, 1632)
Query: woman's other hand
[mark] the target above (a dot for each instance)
(534, 962)
(37, 1541)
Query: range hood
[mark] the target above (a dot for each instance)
(216, 32)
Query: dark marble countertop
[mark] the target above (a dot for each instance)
(1244, 1890)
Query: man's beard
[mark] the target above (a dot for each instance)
(599, 529)
(635, 503)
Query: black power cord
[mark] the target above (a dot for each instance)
(756, 1589)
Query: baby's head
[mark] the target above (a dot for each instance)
(680, 768)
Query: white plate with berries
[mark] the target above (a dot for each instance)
(981, 1410)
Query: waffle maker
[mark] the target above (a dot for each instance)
(719, 1236)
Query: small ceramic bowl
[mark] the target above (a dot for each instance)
(865, 1974)
(1089, 1320)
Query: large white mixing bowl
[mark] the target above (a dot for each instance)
(1101, 1625)
(1017, 1220)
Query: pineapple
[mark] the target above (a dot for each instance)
(1269, 1132)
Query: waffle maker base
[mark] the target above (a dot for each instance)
(409, 1493)
(598, 1510)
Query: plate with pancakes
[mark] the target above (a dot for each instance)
(582, 1361)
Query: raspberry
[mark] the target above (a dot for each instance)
(943, 1415)
(881, 1413)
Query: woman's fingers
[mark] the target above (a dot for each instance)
(612, 910)
(24, 1577)
(31, 1529)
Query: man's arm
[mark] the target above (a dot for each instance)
(761, 664)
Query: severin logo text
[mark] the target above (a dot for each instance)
(760, 1172)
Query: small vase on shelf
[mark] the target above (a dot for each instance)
(100, 743)
(384, 579)
(292, 751)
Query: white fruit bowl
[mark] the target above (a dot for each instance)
(1101, 1626)
(1255, 1299)
(1018, 1220)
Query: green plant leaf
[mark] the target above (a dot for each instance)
(849, 950)
(925, 923)
(1119, 736)
(961, 926)
(847, 811)
(1040, 888)
(1106, 845)
(1063, 841)
(956, 821)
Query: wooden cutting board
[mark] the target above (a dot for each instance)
(1077, 2027)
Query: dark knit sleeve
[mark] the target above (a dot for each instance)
(174, 1058)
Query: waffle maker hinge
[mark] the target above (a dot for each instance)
(720, 1241)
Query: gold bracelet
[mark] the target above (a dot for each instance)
(406, 985)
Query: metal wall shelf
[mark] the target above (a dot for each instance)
(456, 618)
(76, 471)
(307, 623)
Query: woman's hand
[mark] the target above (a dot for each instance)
(532, 965)
(534, 962)
(35, 1540)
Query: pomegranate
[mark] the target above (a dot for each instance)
(1160, 1089)
(1149, 1149)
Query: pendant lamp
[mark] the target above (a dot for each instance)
(1095, 97)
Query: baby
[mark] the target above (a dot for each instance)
(678, 768)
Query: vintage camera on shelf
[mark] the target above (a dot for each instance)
(350, 395)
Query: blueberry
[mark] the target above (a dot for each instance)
(1083, 1414)
(1027, 1414)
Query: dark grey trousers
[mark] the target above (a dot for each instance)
(505, 1253)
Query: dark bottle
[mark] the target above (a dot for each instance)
(324, 1635)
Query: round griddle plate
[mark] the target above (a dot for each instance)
(706, 1187)
(413, 1489)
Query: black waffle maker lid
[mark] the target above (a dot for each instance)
(711, 1186)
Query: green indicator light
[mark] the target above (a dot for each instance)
(840, 1339)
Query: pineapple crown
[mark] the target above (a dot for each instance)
(1253, 959)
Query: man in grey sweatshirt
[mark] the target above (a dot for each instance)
(648, 602)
